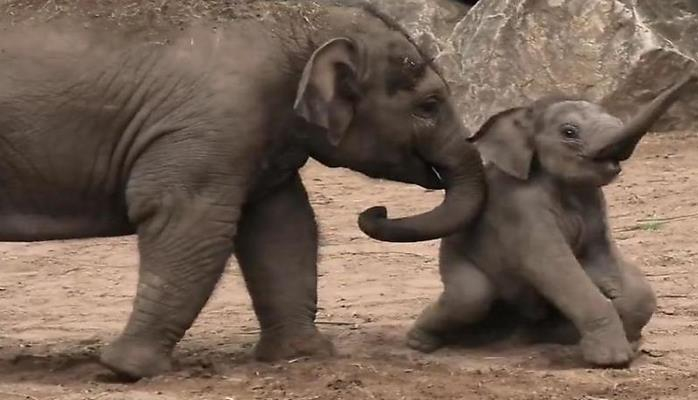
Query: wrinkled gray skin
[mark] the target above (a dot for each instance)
(195, 147)
(542, 245)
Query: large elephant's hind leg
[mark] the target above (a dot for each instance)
(466, 300)
(277, 250)
(184, 243)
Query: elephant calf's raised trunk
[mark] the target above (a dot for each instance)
(463, 201)
(623, 142)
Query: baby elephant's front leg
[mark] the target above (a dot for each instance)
(632, 296)
(467, 297)
(548, 263)
(621, 282)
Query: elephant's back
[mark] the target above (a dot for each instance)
(68, 100)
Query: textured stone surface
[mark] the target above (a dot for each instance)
(500, 54)
(620, 53)
(430, 22)
(503, 53)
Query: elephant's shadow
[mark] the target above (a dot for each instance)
(75, 363)
(553, 340)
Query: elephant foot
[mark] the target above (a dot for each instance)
(607, 347)
(423, 341)
(133, 359)
(275, 347)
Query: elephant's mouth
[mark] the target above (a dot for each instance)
(611, 162)
(420, 172)
(614, 166)
(609, 167)
(606, 168)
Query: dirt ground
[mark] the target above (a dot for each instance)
(61, 301)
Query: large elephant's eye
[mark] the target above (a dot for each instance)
(569, 131)
(428, 108)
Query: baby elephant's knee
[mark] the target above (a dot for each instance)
(636, 307)
(468, 305)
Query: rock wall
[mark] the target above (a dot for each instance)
(502, 53)
(497, 53)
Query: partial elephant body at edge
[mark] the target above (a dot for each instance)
(195, 146)
(542, 253)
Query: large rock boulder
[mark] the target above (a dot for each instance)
(431, 23)
(503, 53)
(497, 54)
(617, 52)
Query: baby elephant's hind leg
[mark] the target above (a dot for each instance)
(467, 298)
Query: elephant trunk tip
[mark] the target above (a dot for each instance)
(458, 210)
(373, 222)
(622, 143)
(458, 166)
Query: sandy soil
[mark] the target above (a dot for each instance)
(61, 301)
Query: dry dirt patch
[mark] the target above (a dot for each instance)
(60, 301)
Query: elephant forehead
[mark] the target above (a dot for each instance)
(592, 118)
(577, 108)
(582, 113)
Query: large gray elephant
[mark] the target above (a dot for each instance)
(195, 147)
(543, 246)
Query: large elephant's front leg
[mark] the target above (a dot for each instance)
(277, 248)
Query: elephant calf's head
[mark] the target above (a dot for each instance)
(574, 140)
(386, 112)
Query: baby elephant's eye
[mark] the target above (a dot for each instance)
(428, 108)
(569, 131)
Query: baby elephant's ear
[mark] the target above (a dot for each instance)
(505, 140)
(329, 88)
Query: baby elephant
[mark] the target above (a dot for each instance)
(543, 241)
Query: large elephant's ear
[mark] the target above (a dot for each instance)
(329, 87)
(506, 141)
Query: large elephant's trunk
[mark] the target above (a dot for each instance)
(460, 166)
(623, 142)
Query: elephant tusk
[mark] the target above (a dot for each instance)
(438, 175)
